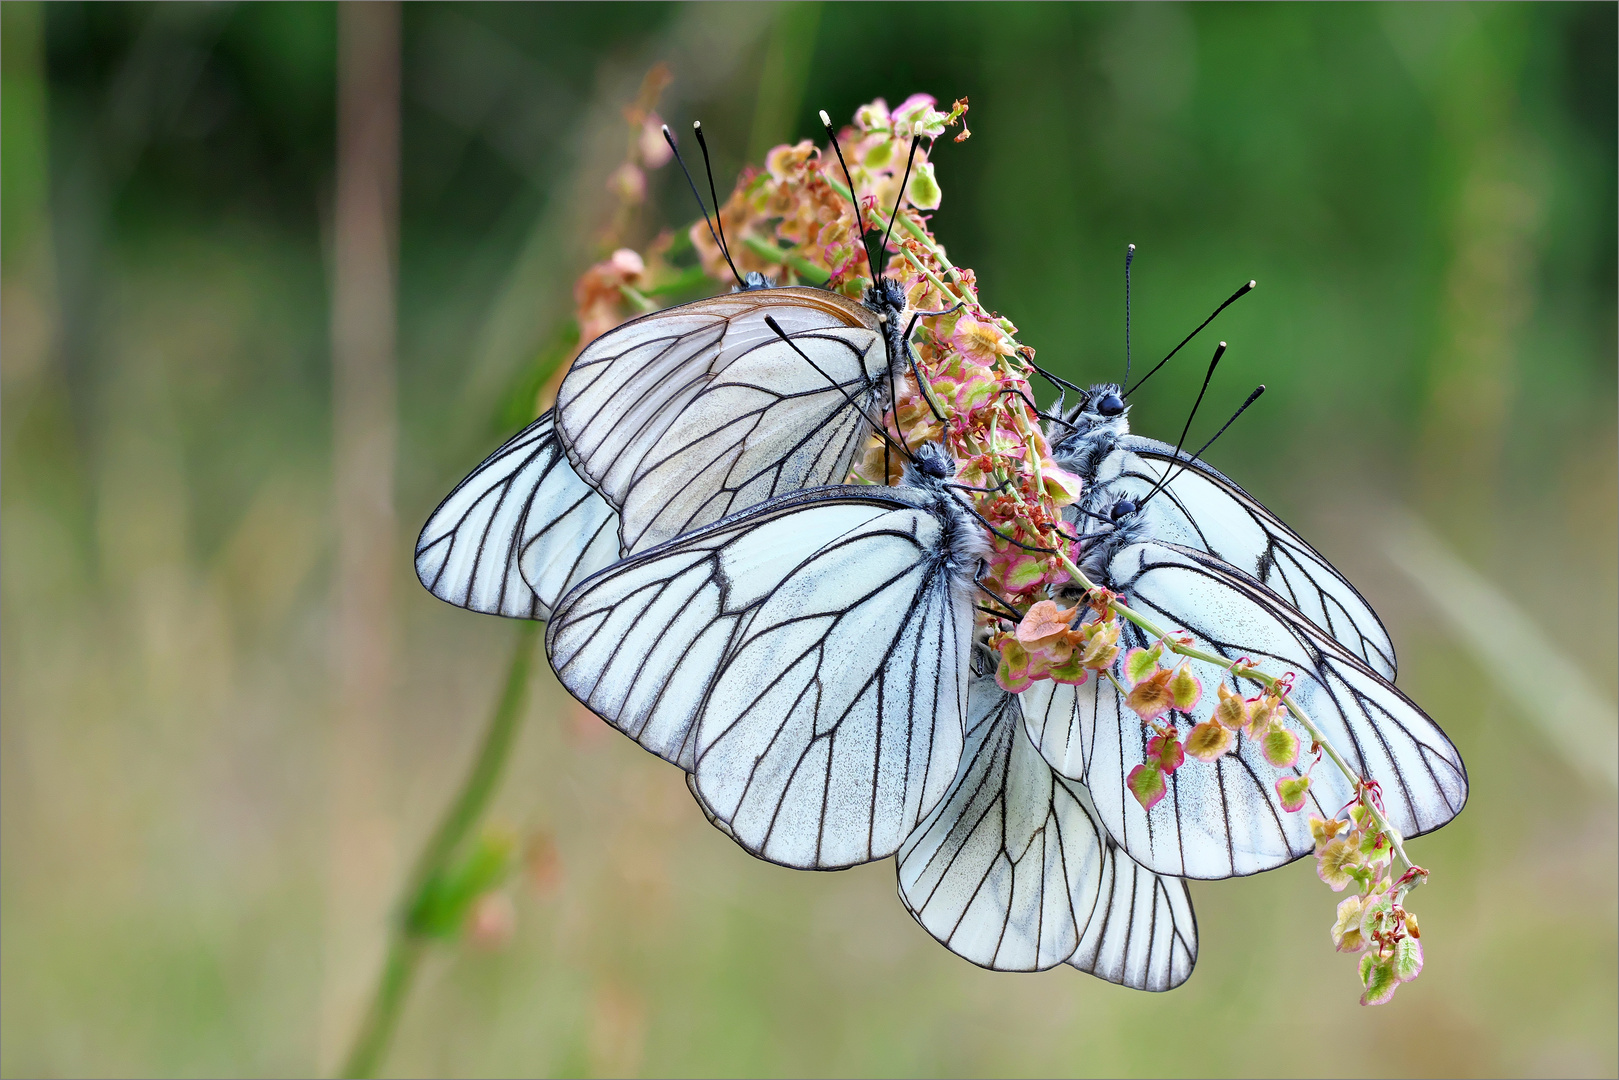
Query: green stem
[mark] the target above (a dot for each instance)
(405, 947)
(801, 266)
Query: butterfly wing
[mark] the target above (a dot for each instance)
(687, 415)
(1201, 508)
(641, 643)
(518, 532)
(1223, 819)
(1014, 872)
(1143, 933)
(836, 722)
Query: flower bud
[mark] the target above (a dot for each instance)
(1147, 784)
(1281, 747)
(1346, 935)
(1291, 790)
(1232, 710)
(1185, 688)
(1209, 741)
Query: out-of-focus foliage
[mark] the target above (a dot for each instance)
(1425, 194)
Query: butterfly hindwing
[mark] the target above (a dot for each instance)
(1014, 872)
(518, 532)
(1223, 819)
(687, 415)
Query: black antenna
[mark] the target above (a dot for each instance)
(1219, 352)
(916, 140)
(1129, 254)
(702, 143)
(1238, 295)
(770, 321)
(859, 225)
(719, 242)
(1253, 397)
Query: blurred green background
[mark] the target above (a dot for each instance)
(1426, 195)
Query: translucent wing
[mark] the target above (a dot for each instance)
(1014, 872)
(642, 643)
(820, 641)
(687, 415)
(836, 722)
(1223, 819)
(518, 532)
(1203, 509)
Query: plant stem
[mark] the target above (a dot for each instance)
(406, 947)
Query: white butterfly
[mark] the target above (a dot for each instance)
(518, 532)
(686, 415)
(1014, 871)
(1223, 819)
(806, 660)
(1202, 508)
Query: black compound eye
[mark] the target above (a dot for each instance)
(934, 467)
(1122, 509)
(1110, 405)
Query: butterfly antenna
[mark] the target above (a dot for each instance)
(770, 321)
(1234, 297)
(1219, 352)
(899, 200)
(719, 222)
(859, 225)
(1129, 254)
(719, 241)
(1253, 397)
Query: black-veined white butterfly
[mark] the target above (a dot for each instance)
(1223, 819)
(726, 402)
(1014, 870)
(806, 660)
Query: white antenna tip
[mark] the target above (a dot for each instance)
(1131, 247)
(825, 119)
(697, 125)
(1253, 284)
(665, 128)
(1222, 344)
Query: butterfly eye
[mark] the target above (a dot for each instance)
(1122, 509)
(1111, 404)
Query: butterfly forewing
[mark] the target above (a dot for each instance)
(518, 532)
(1223, 819)
(687, 415)
(836, 723)
(641, 644)
(1200, 508)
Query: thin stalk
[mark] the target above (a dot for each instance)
(802, 266)
(406, 947)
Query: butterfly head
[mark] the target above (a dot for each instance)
(1101, 411)
(753, 282)
(932, 462)
(887, 299)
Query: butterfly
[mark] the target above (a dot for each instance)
(518, 532)
(805, 659)
(1014, 870)
(688, 414)
(769, 409)
(1200, 507)
(1222, 819)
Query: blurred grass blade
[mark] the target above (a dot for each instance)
(1550, 690)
